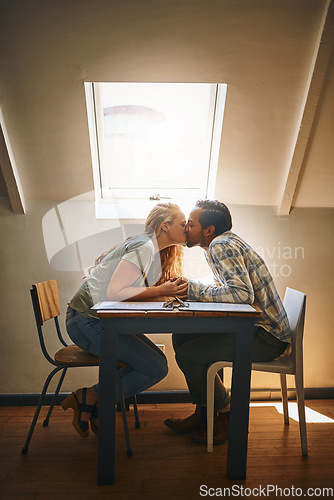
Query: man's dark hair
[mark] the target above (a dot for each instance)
(214, 214)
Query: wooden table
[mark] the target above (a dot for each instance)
(125, 322)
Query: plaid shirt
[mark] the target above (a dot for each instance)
(242, 277)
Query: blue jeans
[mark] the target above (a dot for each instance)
(147, 363)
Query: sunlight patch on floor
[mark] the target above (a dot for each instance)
(312, 416)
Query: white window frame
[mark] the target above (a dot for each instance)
(119, 208)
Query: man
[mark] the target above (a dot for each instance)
(242, 277)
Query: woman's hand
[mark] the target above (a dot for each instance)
(183, 290)
(174, 288)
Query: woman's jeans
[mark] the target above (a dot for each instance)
(147, 363)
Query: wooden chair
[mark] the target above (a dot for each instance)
(45, 300)
(289, 363)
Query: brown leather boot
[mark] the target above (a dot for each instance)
(220, 430)
(188, 425)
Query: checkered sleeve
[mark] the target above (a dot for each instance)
(229, 268)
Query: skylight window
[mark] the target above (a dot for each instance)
(153, 141)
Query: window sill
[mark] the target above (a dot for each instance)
(136, 208)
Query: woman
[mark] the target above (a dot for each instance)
(126, 273)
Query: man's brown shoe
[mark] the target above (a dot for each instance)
(220, 431)
(194, 422)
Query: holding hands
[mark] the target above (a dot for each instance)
(183, 289)
(176, 287)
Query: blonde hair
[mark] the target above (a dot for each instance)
(170, 257)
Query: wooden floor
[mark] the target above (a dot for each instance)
(60, 464)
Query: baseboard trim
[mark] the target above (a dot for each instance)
(158, 397)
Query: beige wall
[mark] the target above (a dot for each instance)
(298, 250)
(262, 50)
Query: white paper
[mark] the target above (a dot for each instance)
(157, 306)
(129, 306)
(219, 306)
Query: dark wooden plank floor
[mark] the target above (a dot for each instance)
(61, 465)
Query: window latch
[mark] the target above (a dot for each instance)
(157, 197)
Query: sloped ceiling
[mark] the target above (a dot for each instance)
(3, 187)
(262, 50)
(316, 178)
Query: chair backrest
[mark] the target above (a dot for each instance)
(47, 297)
(294, 304)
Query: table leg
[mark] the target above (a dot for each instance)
(239, 415)
(107, 402)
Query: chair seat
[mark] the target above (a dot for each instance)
(73, 355)
(283, 364)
